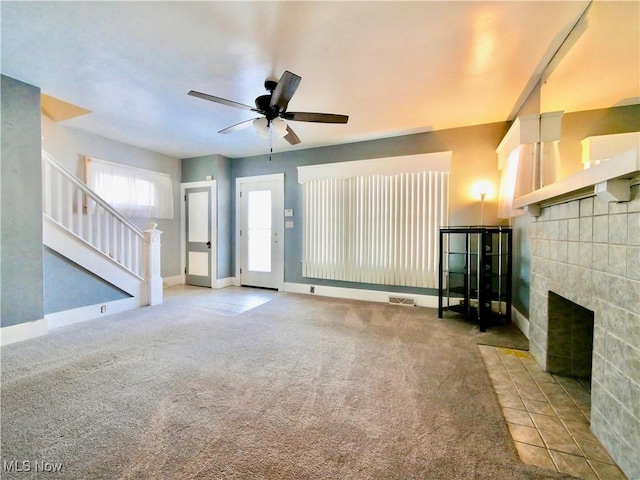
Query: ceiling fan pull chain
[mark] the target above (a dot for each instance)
(270, 141)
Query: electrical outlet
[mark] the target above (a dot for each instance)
(312, 289)
(103, 309)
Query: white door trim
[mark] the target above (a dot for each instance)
(274, 177)
(214, 228)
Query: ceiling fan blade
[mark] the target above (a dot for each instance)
(315, 117)
(287, 86)
(223, 101)
(238, 126)
(291, 136)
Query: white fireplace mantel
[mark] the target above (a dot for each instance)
(610, 180)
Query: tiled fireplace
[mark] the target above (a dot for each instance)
(584, 313)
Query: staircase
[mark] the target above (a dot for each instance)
(81, 226)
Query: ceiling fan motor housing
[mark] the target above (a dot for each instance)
(263, 103)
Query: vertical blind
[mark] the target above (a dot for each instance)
(380, 229)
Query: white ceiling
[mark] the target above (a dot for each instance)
(393, 67)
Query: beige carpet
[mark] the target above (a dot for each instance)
(300, 387)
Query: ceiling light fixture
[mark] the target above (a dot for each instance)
(265, 128)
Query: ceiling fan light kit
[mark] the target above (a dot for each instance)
(262, 126)
(273, 108)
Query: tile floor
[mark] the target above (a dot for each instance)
(229, 301)
(548, 416)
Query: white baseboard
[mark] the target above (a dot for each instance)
(82, 314)
(224, 282)
(360, 294)
(22, 331)
(51, 321)
(171, 281)
(520, 321)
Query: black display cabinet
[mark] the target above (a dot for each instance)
(475, 273)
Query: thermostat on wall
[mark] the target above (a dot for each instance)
(288, 212)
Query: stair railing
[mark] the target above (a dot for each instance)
(75, 207)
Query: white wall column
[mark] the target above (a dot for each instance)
(152, 259)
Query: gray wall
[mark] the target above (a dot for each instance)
(473, 155)
(21, 259)
(579, 125)
(69, 147)
(219, 167)
(68, 285)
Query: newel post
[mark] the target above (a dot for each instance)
(152, 260)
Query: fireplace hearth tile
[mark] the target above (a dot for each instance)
(573, 465)
(528, 435)
(606, 471)
(542, 377)
(549, 434)
(518, 417)
(532, 455)
(534, 406)
(579, 430)
(547, 422)
(532, 393)
(560, 441)
(510, 400)
(594, 451)
(571, 414)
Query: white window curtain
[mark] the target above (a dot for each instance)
(380, 229)
(134, 192)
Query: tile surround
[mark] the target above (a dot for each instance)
(587, 251)
(549, 424)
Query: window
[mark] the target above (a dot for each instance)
(375, 226)
(134, 192)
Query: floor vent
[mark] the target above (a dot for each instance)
(409, 302)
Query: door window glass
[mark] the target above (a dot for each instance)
(259, 230)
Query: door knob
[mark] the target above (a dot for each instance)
(209, 244)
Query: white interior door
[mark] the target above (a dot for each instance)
(261, 231)
(199, 233)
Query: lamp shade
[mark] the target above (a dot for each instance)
(262, 127)
(279, 127)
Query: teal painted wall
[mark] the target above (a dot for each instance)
(68, 285)
(219, 167)
(21, 262)
(473, 155)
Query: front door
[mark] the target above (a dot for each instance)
(262, 231)
(199, 234)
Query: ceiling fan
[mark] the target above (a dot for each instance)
(273, 107)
